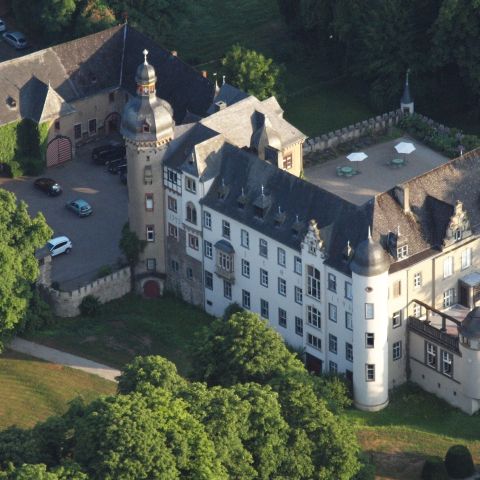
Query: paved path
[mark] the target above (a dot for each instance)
(56, 356)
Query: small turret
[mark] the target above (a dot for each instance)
(406, 102)
(469, 333)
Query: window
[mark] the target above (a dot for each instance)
(299, 326)
(282, 317)
(264, 308)
(244, 239)
(314, 317)
(146, 127)
(281, 257)
(189, 273)
(417, 279)
(282, 287)
(172, 177)
(397, 350)
(190, 185)
(370, 372)
(448, 267)
(448, 297)
(466, 258)
(111, 97)
(193, 241)
(207, 220)
(263, 277)
(298, 295)
(397, 288)
(332, 367)
(172, 231)
(226, 229)
(457, 234)
(447, 363)
(397, 318)
(332, 343)
(77, 131)
(402, 252)
(224, 261)
(297, 265)
(348, 321)
(57, 125)
(245, 299)
(287, 162)
(227, 289)
(172, 203)
(208, 249)
(313, 282)
(348, 291)
(149, 202)
(174, 265)
(332, 312)
(208, 280)
(312, 248)
(263, 248)
(150, 233)
(191, 213)
(431, 354)
(314, 341)
(369, 340)
(92, 126)
(245, 268)
(369, 311)
(332, 282)
(151, 264)
(147, 175)
(349, 352)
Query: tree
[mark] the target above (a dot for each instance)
(20, 236)
(131, 246)
(251, 72)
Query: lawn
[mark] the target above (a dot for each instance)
(414, 426)
(127, 327)
(32, 390)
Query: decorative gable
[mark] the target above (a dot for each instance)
(313, 240)
(458, 226)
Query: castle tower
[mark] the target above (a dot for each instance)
(147, 127)
(370, 325)
(406, 102)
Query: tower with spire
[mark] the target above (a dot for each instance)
(406, 103)
(147, 127)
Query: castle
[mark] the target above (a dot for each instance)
(375, 276)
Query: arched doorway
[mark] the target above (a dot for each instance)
(151, 289)
(112, 122)
(59, 150)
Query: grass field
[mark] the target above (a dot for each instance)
(32, 390)
(127, 327)
(414, 426)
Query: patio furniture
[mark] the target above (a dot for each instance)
(346, 171)
(397, 162)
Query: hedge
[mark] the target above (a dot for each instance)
(459, 462)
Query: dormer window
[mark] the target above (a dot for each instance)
(280, 217)
(402, 252)
(262, 204)
(457, 234)
(146, 127)
(242, 200)
(297, 226)
(222, 191)
(190, 185)
(11, 102)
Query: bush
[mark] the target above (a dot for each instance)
(458, 462)
(231, 309)
(434, 469)
(367, 470)
(104, 270)
(90, 306)
(38, 315)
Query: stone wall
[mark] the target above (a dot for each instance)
(374, 125)
(110, 287)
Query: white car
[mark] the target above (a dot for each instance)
(59, 245)
(3, 27)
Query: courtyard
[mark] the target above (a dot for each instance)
(95, 238)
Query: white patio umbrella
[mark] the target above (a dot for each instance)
(405, 147)
(357, 156)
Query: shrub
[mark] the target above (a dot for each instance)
(434, 469)
(104, 270)
(458, 462)
(367, 470)
(90, 306)
(231, 309)
(38, 315)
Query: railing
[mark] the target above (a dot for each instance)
(425, 329)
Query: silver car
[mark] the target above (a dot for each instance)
(15, 39)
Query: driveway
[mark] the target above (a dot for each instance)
(95, 238)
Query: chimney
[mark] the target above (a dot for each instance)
(204, 74)
(174, 53)
(403, 196)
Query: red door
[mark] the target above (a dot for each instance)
(151, 289)
(59, 150)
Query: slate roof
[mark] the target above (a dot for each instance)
(229, 95)
(91, 64)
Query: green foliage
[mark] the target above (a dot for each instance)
(38, 315)
(231, 309)
(131, 246)
(90, 306)
(367, 470)
(252, 72)
(104, 270)
(459, 462)
(434, 469)
(17, 446)
(69, 471)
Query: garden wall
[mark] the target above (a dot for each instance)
(110, 287)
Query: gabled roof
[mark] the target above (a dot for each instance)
(227, 94)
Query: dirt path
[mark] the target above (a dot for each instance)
(62, 358)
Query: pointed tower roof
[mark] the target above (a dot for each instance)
(369, 258)
(406, 97)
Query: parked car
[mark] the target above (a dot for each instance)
(48, 185)
(107, 153)
(115, 166)
(59, 245)
(80, 207)
(15, 39)
(3, 27)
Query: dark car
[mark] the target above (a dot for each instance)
(49, 186)
(115, 166)
(107, 153)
